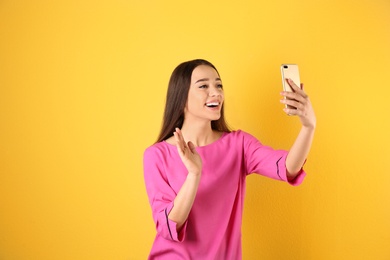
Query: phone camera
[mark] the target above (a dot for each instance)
(285, 66)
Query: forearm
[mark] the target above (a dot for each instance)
(299, 151)
(184, 200)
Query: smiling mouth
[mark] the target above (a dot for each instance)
(212, 104)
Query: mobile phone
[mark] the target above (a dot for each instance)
(290, 71)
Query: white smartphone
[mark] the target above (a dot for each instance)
(290, 71)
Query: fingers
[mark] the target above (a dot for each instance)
(293, 112)
(296, 89)
(178, 135)
(295, 107)
(296, 98)
(180, 143)
(297, 102)
(183, 147)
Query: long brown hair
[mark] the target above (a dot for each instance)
(177, 95)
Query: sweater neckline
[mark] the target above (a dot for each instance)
(200, 147)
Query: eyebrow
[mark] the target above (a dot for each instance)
(207, 79)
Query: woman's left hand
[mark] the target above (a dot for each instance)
(300, 105)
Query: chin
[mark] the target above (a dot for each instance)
(215, 118)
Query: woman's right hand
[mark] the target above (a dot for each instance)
(188, 154)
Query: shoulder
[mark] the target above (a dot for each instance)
(237, 139)
(156, 150)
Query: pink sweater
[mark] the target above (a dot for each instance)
(213, 227)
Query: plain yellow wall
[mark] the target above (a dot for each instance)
(82, 89)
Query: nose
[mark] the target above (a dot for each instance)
(215, 91)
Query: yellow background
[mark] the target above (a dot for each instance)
(82, 89)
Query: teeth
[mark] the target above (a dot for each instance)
(212, 104)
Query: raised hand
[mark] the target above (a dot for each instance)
(188, 154)
(300, 103)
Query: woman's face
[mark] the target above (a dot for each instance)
(205, 96)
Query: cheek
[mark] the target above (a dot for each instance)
(189, 106)
(196, 99)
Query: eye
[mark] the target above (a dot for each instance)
(220, 86)
(203, 86)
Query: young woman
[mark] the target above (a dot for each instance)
(195, 173)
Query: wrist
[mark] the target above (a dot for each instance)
(194, 174)
(309, 127)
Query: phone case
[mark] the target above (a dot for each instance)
(290, 71)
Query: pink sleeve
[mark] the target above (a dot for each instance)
(161, 195)
(266, 161)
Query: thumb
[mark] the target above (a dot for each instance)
(191, 146)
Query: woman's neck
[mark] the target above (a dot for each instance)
(199, 134)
